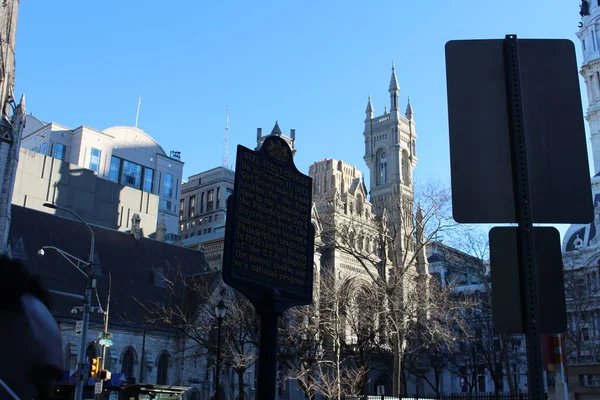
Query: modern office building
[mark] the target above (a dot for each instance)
(122, 154)
(202, 212)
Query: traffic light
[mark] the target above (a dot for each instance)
(94, 367)
(105, 375)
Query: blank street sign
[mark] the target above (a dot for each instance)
(559, 176)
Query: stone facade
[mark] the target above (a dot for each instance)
(581, 243)
(121, 154)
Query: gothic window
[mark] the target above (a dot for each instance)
(195, 395)
(127, 362)
(405, 168)
(359, 205)
(382, 168)
(162, 369)
(414, 147)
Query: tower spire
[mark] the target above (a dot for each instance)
(409, 110)
(369, 111)
(394, 90)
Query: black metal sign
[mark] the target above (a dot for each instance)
(269, 238)
(480, 122)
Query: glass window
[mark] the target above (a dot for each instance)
(131, 175)
(210, 200)
(168, 185)
(201, 202)
(228, 193)
(192, 210)
(218, 198)
(95, 159)
(43, 148)
(115, 167)
(181, 208)
(59, 151)
(148, 180)
(165, 205)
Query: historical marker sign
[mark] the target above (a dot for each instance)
(269, 238)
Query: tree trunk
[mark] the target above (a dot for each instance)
(507, 368)
(241, 393)
(398, 386)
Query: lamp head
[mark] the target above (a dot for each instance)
(41, 252)
(220, 309)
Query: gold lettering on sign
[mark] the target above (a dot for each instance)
(272, 223)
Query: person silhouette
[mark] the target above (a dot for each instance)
(30, 340)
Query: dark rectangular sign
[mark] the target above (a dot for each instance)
(480, 151)
(507, 304)
(269, 239)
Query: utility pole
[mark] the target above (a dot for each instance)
(81, 370)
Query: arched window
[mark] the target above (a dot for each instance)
(163, 369)
(359, 205)
(195, 394)
(127, 362)
(382, 168)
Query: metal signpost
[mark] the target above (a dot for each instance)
(518, 154)
(269, 243)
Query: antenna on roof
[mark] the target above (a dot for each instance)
(137, 114)
(226, 138)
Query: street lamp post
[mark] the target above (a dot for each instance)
(86, 303)
(220, 311)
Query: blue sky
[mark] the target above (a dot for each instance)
(308, 64)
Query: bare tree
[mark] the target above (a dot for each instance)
(488, 351)
(433, 344)
(190, 311)
(316, 340)
(390, 252)
(583, 306)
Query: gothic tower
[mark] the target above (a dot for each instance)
(390, 152)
